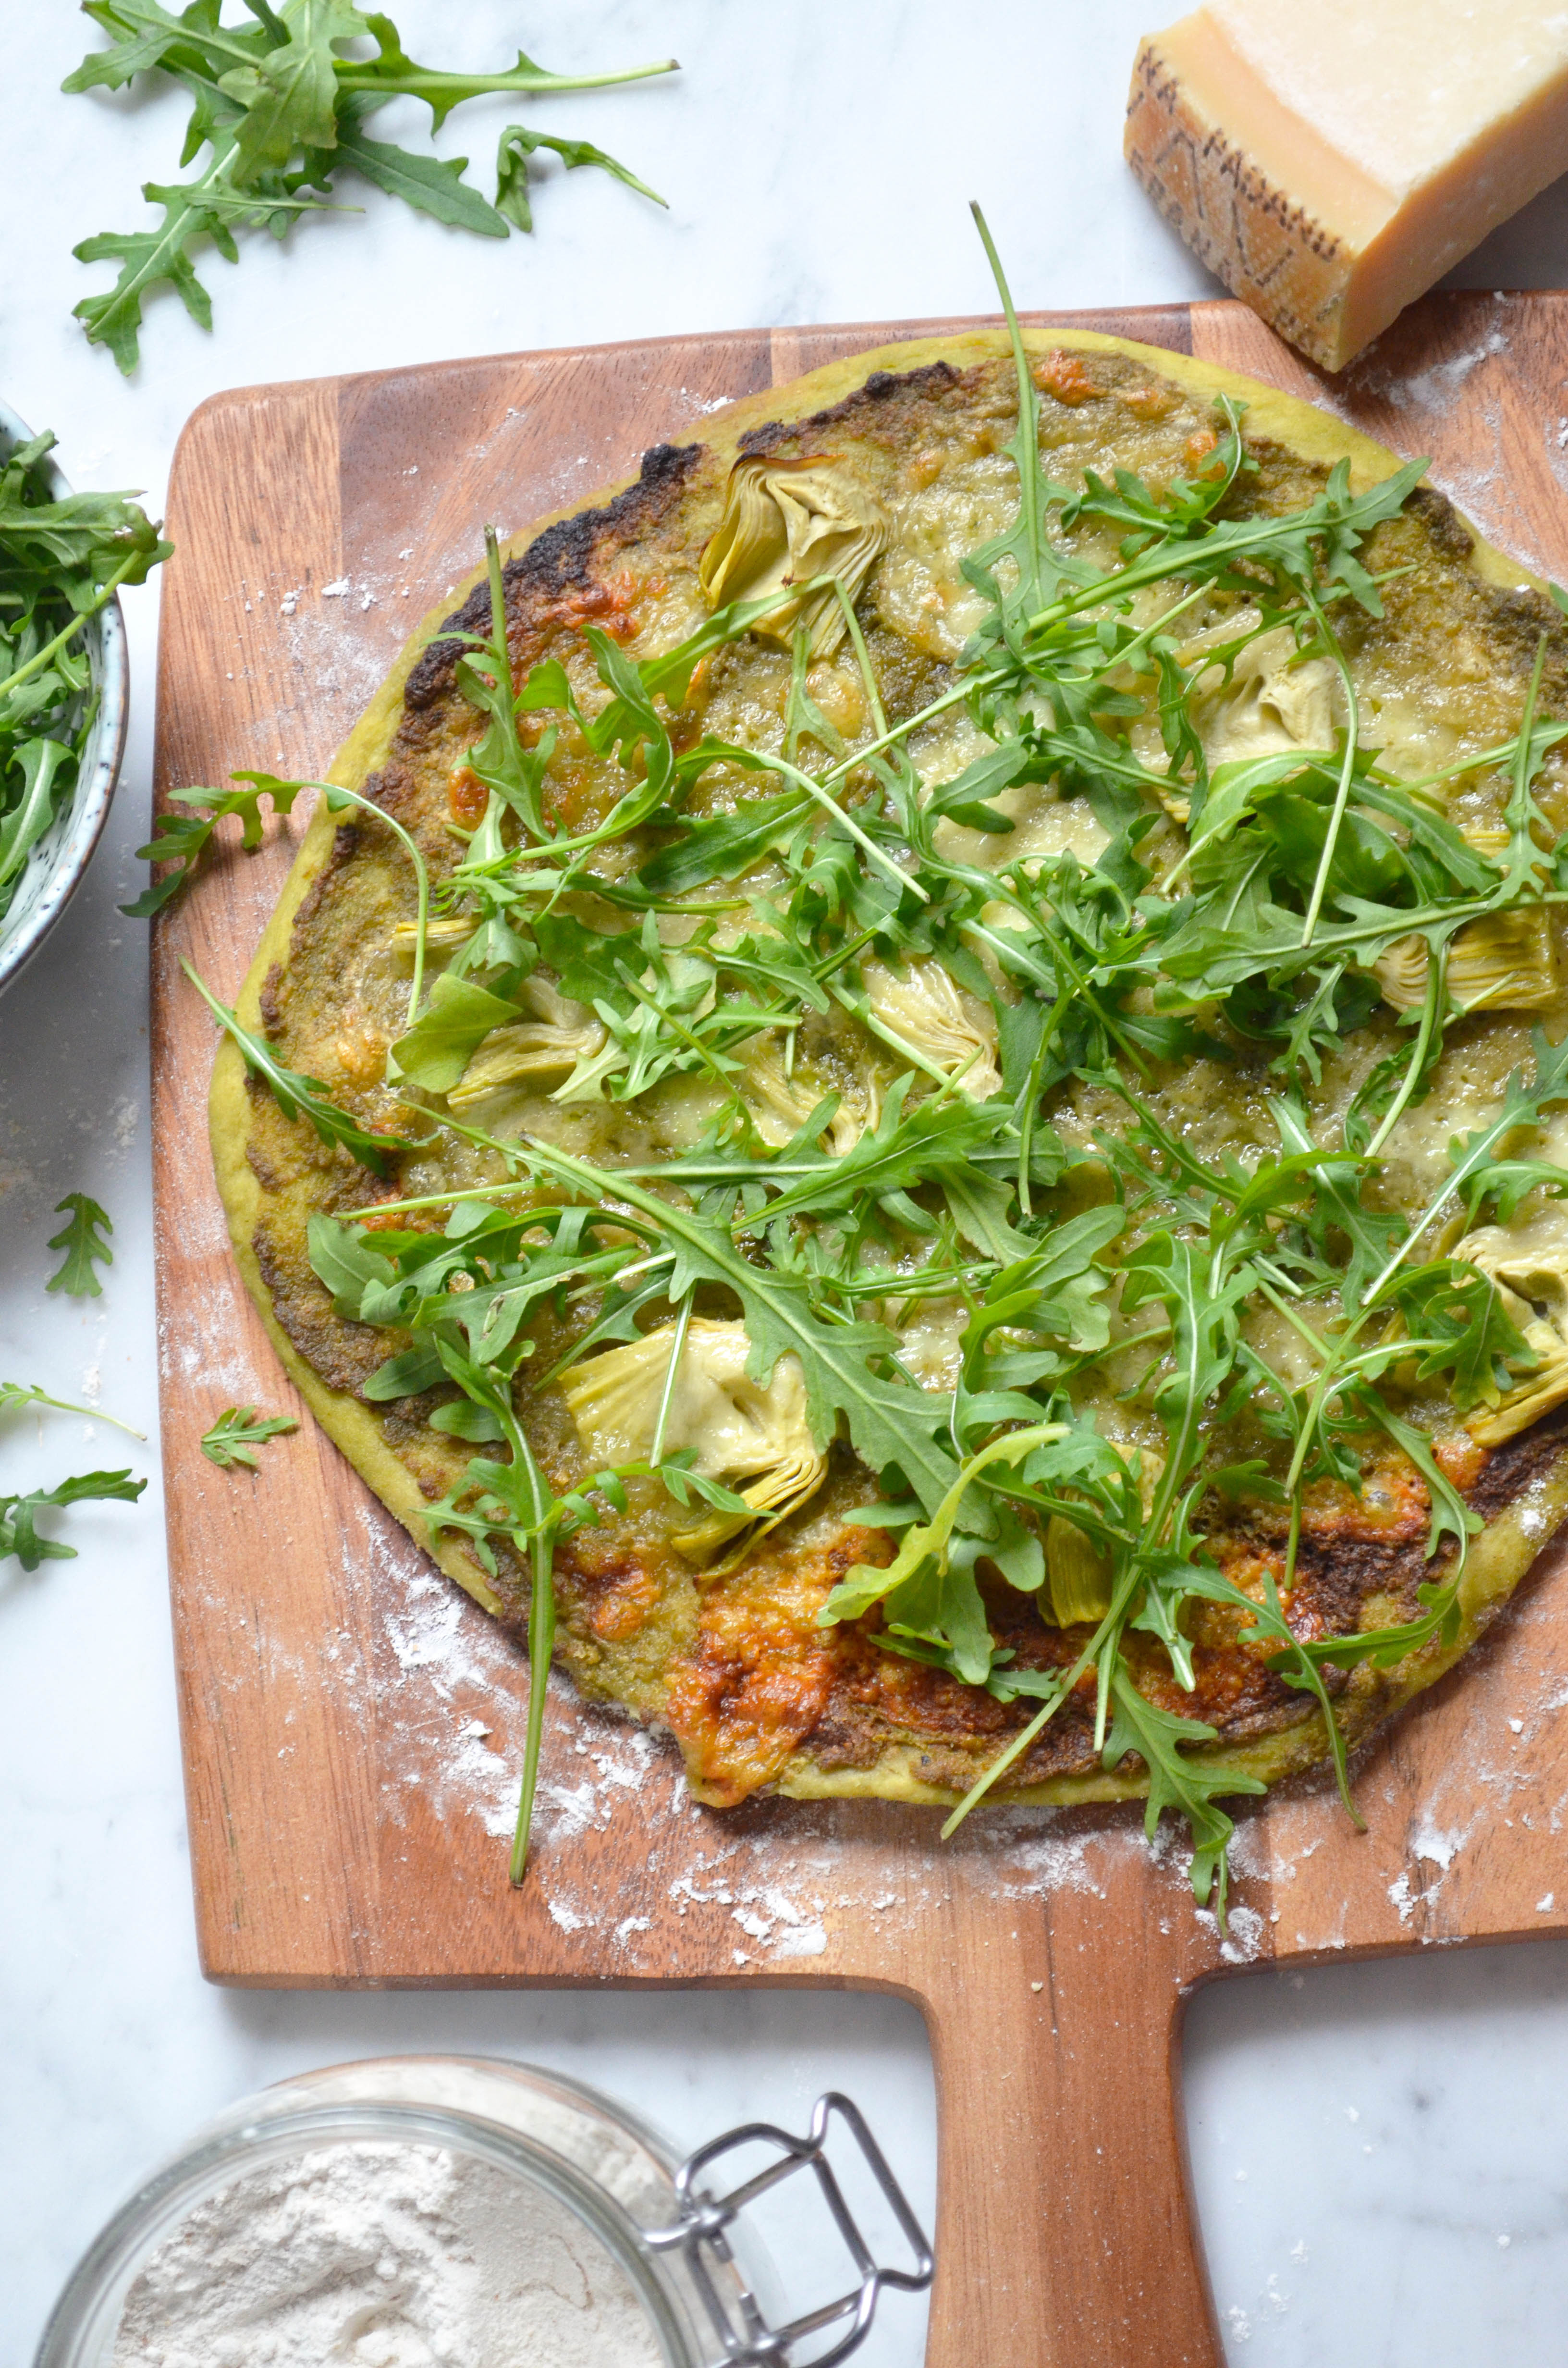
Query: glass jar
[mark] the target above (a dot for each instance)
(705, 2288)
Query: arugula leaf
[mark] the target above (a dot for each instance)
(180, 840)
(454, 1023)
(206, 207)
(518, 144)
(14, 1395)
(517, 1498)
(144, 35)
(19, 1534)
(928, 1592)
(289, 94)
(84, 1239)
(1057, 1291)
(1177, 1781)
(721, 846)
(1040, 568)
(38, 762)
(71, 545)
(931, 1142)
(301, 1096)
(280, 110)
(431, 185)
(237, 1433)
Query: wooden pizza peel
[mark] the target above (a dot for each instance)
(352, 1725)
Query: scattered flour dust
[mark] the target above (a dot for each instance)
(382, 2255)
(455, 1685)
(774, 1896)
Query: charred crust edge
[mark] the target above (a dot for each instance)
(1448, 530)
(1517, 1465)
(932, 378)
(559, 560)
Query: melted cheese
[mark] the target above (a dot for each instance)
(1043, 827)
(931, 1341)
(1330, 162)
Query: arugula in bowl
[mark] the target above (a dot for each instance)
(62, 696)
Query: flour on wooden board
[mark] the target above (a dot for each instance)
(1460, 389)
(454, 1685)
(455, 1690)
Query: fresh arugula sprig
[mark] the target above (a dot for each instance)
(180, 840)
(280, 110)
(1179, 1781)
(238, 1432)
(15, 1396)
(302, 1097)
(84, 1238)
(19, 1534)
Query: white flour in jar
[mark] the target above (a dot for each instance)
(382, 2255)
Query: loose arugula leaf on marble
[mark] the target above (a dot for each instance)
(15, 1396)
(518, 144)
(84, 1239)
(279, 106)
(238, 1432)
(161, 258)
(19, 1534)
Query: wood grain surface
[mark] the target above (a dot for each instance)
(352, 1725)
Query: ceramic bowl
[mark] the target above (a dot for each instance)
(56, 863)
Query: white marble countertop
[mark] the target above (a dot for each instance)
(1378, 2150)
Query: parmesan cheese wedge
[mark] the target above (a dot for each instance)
(1330, 159)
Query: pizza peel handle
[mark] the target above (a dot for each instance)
(1063, 2236)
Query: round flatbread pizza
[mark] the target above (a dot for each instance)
(908, 1100)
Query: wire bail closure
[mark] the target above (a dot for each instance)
(699, 2234)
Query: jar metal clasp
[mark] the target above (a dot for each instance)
(699, 2236)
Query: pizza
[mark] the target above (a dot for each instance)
(907, 1100)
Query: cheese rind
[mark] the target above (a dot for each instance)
(1326, 200)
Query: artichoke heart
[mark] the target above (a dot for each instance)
(741, 1430)
(563, 1035)
(782, 1105)
(955, 1032)
(1077, 1573)
(1530, 1265)
(442, 932)
(1274, 700)
(1505, 962)
(787, 523)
